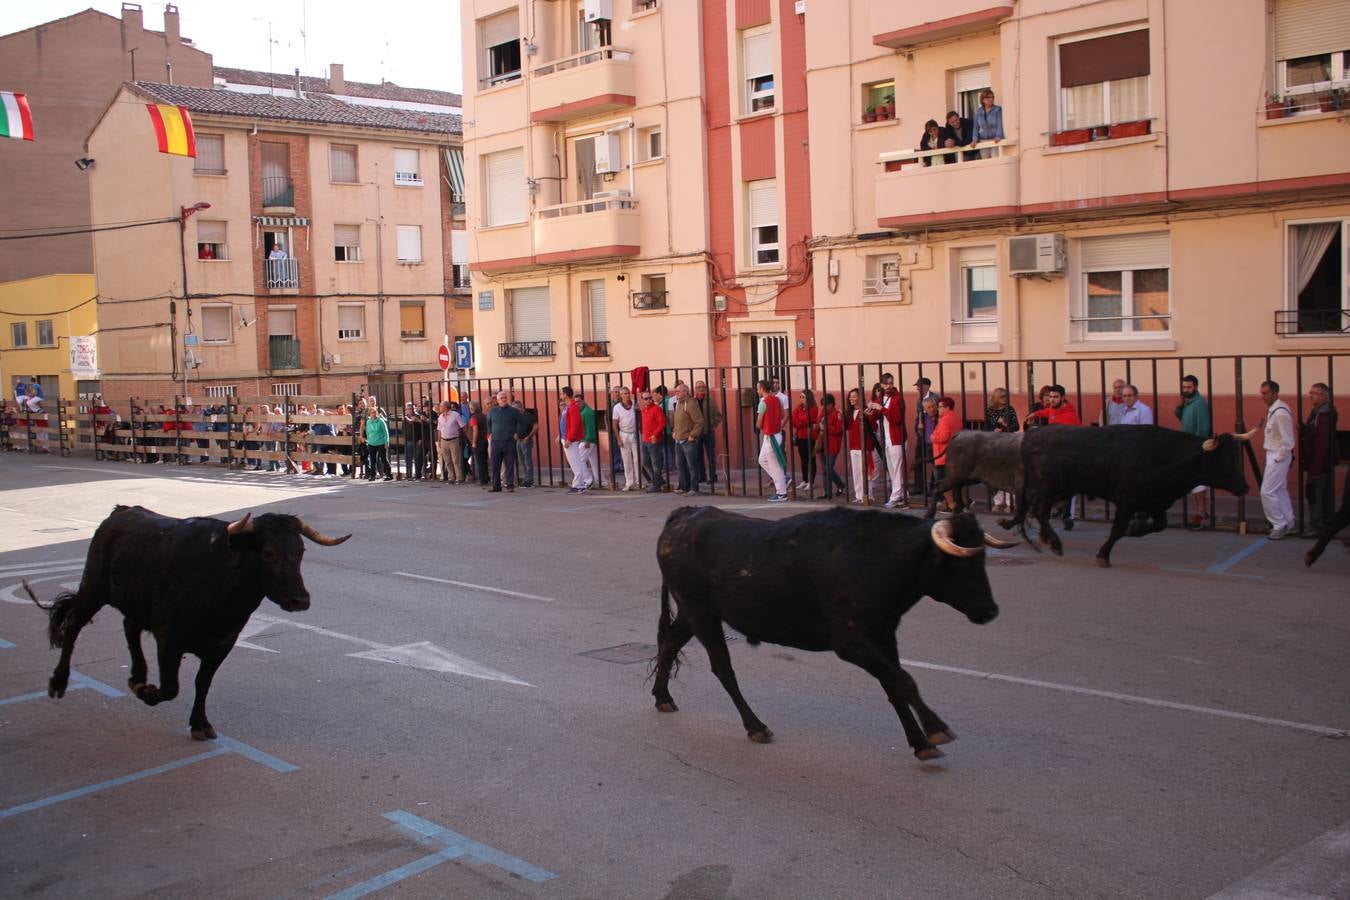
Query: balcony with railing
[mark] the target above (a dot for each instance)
(592, 349)
(525, 349)
(278, 192)
(903, 25)
(604, 226)
(1292, 322)
(948, 185)
(283, 352)
(643, 300)
(281, 274)
(584, 84)
(459, 277)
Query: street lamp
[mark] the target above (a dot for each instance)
(184, 213)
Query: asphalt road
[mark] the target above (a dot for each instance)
(1173, 727)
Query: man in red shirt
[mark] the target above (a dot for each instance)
(892, 407)
(772, 458)
(1057, 411)
(573, 436)
(653, 441)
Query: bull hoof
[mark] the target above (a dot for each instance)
(928, 753)
(147, 694)
(54, 691)
(763, 736)
(1103, 562)
(942, 737)
(667, 707)
(204, 734)
(1311, 556)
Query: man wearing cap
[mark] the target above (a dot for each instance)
(923, 429)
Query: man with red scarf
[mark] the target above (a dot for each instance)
(772, 458)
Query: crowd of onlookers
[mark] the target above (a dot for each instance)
(977, 135)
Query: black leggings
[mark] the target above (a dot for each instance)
(808, 460)
(379, 460)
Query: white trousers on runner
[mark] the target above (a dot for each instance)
(1275, 492)
(895, 465)
(628, 452)
(574, 459)
(861, 480)
(591, 465)
(768, 461)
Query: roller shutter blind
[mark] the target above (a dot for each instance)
(506, 187)
(970, 79)
(406, 162)
(410, 243)
(351, 320)
(412, 319)
(459, 248)
(596, 315)
(757, 56)
(347, 235)
(1126, 251)
(500, 29)
(210, 153)
(1108, 58)
(1311, 27)
(529, 314)
(209, 232)
(281, 323)
(763, 206)
(342, 163)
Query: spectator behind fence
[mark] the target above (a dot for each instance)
(504, 424)
(1115, 405)
(1193, 413)
(948, 424)
(769, 419)
(450, 437)
(624, 417)
(590, 447)
(805, 427)
(712, 420)
(687, 432)
(1317, 456)
(377, 439)
(1136, 412)
(412, 441)
(893, 439)
(653, 441)
(999, 416)
(479, 429)
(525, 444)
(862, 442)
(830, 435)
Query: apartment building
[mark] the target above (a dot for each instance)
(47, 335)
(69, 68)
(307, 249)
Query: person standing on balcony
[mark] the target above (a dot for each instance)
(959, 132)
(1279, 444)
(1318, 458)
(933, 139)
(988, 124)
(278, 252)
(1195, 419)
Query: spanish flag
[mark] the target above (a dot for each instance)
(15, 119)
(173, 129)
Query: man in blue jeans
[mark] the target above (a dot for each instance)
(686, 430)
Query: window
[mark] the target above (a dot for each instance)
(277, 188)
(211, 242)
(644, 5)
(967, 85)
(210, 155)
(1124, 286)
(217, 324)
(883, 276)
(412, 322)
(505, 182)
(18, 334)
(975, 319)
(351, 321)
(222, 391)
(762, 207)
(459, 258)
(597, 328)
(407, 169)
(342, 163)
(409, 244)
(653, 293)
(1312, 46)
(499, 36)
(45, 336)
(281, 321)
(757, 64)
(650, 145)
(286, 389)
(1318, 295)
(1104, 80)
(877, 94)
(530, 314)
(347, 243)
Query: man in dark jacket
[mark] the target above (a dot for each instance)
(1318, 456)
(961, 131)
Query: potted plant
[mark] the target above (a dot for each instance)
(1275, 107)
(1333, 100)
(889, 102)
(870, 114)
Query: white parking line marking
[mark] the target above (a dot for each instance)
(38, 566)
(477, 587)
(1323, 730)
(1315, 869)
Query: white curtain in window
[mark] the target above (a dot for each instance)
(342, 163)
(1129, 99)
(410, 243)
(1310, 245)
(1083, 106)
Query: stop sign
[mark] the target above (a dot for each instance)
(443, 356)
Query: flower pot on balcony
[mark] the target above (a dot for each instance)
(1275, 109)
(890, 110)
(869, 116)
(1076, 136)
(883, 115)
(1130, 129)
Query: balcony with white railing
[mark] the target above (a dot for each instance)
(281, 274)
(604, 226)
(948, 185)
(903, 25)
(584, 84)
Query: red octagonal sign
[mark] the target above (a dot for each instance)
(443, 356)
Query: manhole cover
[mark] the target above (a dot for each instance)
(52, 530)
(623, 654)
(1009, 561)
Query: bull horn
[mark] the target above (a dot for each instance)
(241, 526)
(1247, 435)
(997, 544)
(942, 537)
(308, 531)
(1209, 445)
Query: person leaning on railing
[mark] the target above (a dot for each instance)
(988, 124)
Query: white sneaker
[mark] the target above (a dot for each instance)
(1277, 534)
(892, 504)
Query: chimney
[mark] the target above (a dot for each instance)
(168, 71)
(299, 95)
(133, 22)
(337, 83)
(171, 34)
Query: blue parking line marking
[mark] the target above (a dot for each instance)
(253, 753)
(1223, 566)
(454, 846)
(77, 681)
(5, 645)
(22, 697)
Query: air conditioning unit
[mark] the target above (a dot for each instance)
(1036, 254)
(618, 193)
(594, 10)
(608, 154)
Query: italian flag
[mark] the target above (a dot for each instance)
(16, 121)
(173, 129)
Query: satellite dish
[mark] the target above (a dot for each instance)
(244, 322)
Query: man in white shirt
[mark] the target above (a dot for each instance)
(1116, 405)
(1133, 410)
(1279, 444)
(449, 431)
(624, 415)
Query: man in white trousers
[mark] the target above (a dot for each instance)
(892, 407)
(772, 458)
(1279, 445)
(624, 417)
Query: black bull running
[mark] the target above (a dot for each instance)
(816, 581)
(139, 563)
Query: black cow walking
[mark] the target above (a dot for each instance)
(835, 580)
(192, 583)
(1139, 468)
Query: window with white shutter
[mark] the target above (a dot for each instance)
(342, 163)
(217, 323)
(499, 38)
(281, 322)
(757, 67)
(407, 168)
(505, 180)
(210, 155)
(351, 321)
(211, 242)
(1124, 286)
(967, 85)
(762, 212)
(597, 328)
(530, 315)
(410, 244)
(1312, 46)
(975, 312)
(347, 243)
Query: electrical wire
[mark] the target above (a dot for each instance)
(89, 230)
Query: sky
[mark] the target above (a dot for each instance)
(414, 43)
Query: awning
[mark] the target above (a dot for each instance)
(454, 162)
(282, 221)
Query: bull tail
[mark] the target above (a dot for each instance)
(59, 612)
(663, 626)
